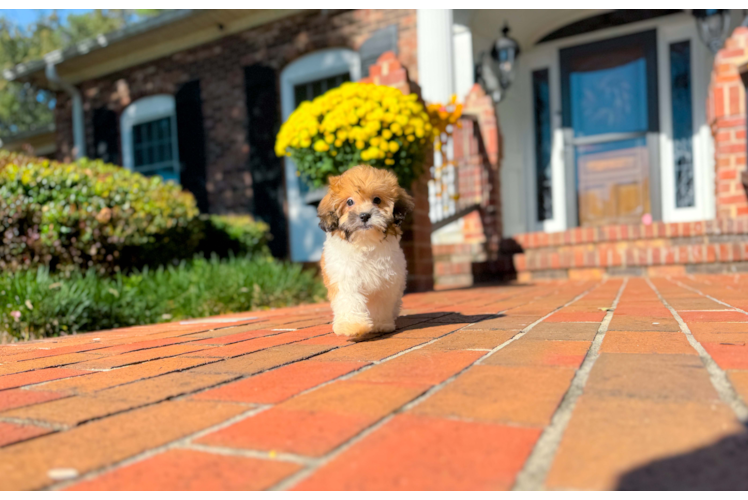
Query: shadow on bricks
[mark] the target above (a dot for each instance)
(414, 322)
(722, 466)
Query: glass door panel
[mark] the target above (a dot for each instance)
(613, 182)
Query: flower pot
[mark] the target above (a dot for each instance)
(315, 196)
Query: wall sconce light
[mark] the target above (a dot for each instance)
(714, 26)
(496, 69)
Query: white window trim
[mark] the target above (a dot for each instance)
(145, 110)
(305, 236)
(703, 155)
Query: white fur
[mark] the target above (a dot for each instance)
(370, 273)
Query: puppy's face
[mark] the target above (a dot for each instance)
(364, 203)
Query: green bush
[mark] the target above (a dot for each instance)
(90, 215)
(37, 303)
(224, 235)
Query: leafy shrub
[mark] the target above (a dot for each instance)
(37, 303)
(224, 235)
(90, 215)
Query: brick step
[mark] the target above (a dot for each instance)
(633, 232)
(678, 248)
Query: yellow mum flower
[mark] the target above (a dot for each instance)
(359, 120)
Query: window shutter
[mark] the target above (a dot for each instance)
(191, 139)
(266, 169)
(106, 135)
(381, 41)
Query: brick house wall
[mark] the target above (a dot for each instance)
(219, 66)
(475, 252)
(726, 116)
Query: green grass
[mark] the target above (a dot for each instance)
(37, 304)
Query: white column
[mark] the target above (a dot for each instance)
(435, 59)
(463, 60)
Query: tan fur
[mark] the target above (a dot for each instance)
(332, 288)
(362, 264)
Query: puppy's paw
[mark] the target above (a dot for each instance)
(352, 330)
(384, 327)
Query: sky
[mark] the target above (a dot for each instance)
(26, 16)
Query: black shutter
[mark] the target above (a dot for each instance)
(191, 138)
(106, 135)
(266, 169)
(381, 41)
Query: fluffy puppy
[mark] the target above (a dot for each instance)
(363, 266)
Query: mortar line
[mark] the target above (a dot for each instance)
(717, 375)
(715, 299)
(533, 475)
(179, 443)
(38, 423)
(263, 455)
(296, 478)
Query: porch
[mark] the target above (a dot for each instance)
(622, 141)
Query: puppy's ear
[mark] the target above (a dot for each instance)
(403, 206)
(328, 216)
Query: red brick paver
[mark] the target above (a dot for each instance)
(625, 383)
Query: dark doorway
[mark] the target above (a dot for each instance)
(106, 135)
(264, 166)
(191, 139)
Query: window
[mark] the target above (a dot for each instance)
(542, 124)
(149, 137)
(309, 90)
(152, 145)
(682, 114)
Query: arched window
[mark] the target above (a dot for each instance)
(149, 137)
(303, 80)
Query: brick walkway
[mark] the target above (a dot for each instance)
(577, 385)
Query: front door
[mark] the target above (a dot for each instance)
(609, 98)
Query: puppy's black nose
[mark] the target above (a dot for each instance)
(365, 217)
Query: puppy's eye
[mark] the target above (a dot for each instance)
(376, 200)
(350, 202)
